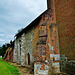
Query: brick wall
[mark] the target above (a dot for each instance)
(7, 56)
(65, 13)
(47, 45)
(11, 54)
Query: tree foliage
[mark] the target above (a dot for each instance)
(4, 47)
(20, 30)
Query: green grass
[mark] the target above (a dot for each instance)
(7, 69)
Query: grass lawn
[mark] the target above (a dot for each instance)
(7, 69)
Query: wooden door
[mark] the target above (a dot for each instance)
(28, 59)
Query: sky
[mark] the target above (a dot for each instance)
(17, 14)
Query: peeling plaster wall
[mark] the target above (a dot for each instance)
(28, 45)
(23, 49)
(18, 50)
(15, 51)
(23, 46)
(17, 56)
(35, 40)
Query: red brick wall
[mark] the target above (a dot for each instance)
(7, 56)
(65, 13)
(11, 54)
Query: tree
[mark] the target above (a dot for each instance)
(20, 30)
(5, 46)
(3, 49)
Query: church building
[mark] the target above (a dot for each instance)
(46, 38)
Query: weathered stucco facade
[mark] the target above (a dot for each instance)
(23, 48)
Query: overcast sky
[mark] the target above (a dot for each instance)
(17, 14)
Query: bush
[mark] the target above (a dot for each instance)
(2, 57)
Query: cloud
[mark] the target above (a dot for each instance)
(1, 35)
(1, 40)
